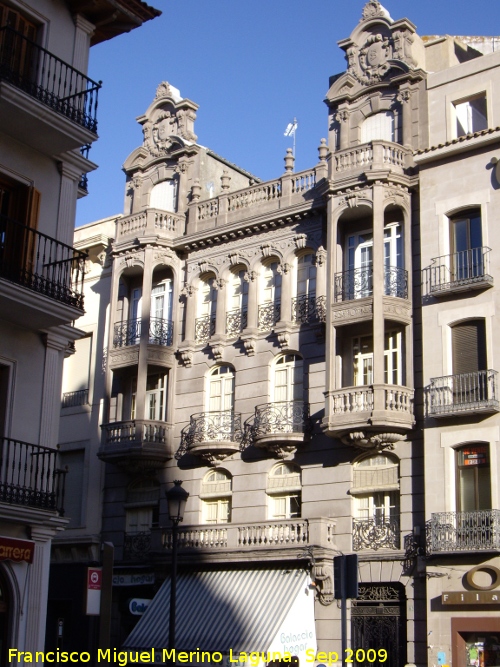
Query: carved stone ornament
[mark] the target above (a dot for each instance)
(373, 9)
(373, 59)
(219, 284)
(283, 339)
(163, 90)
(342, 116)
(186, 357)
(250, 276)
(300, 241)
(234, 258)
(321, 256)
(374, 441)
(323, 577)
(203, 266)
(249, 345)
(187, 291)
(283, 269)
(217, 351)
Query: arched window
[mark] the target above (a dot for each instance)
(304, 304)
(160, 321)
(238, 303)
(216, 491)
(164, 196)
(221, 389)
(376, 496)
(270, 308)
(378, 126)
(207, 308)
(284, 490)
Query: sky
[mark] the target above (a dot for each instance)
(252, 66)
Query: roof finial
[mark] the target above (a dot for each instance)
(374, 8)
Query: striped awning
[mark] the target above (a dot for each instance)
(221, 610)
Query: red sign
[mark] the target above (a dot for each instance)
(20, 551)
(94, 578)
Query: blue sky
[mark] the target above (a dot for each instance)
(251, 66)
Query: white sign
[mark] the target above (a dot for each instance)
(137, 606)
(133, 579)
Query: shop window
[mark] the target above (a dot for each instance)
(471, 115)
(216, 492)
(473, 477)
(284, 491)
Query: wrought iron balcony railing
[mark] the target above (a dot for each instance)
(204, 328)
(281, 418)
(72, 399)
(29, 476)
(375, 533)
(161, 332)
(308, 309)
(358, 283)
(269, 315)
(137, 546)
(83, 184)
(48, 79)
(236, 321)
(222, 426)
(41, 263)
(460, 271)
(127, 333)
(464, 393)
(450, 532)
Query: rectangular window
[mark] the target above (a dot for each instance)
(471, 115)
(473, 478)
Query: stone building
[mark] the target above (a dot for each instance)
(47, 114)
(313, 356)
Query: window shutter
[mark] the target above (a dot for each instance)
(469, 347)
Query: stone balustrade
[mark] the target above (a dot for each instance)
(283, 534)
(152, 221)
(373, 156)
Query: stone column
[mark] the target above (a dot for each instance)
(55, 347)
(378, 288)
(404, 97)
(252, 313)
(142, 368)
(220, 310)
(68, 192)
(189, 294)
(83, 33)
(342, 118)
(286, 272)
(37, 590)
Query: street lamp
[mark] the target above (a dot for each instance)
(176, 499)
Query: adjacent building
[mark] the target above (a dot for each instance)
(314, 357)
(48, 121)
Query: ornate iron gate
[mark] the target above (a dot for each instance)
(378, 622)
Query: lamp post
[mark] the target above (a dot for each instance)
(176, 499)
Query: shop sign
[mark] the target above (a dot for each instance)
(19, 551)
(143, 579)
(137, 606)
(471, 597)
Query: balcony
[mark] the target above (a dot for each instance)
(137, 546)
(375, 533)
(29, 476)
(460, 272)
(149, 223)
(269, 316)
(161, 332)
(308, 309)
(204, 328)
(463, 532)
(286, 538)
(43, 265)
(463, 394)
(73, 399)
(358, 283)
(212, 435)
(138, 444)
(281, 426)
(371, 160)
(54, 86)
(236, 321)
(387, 406)
(127, 333)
